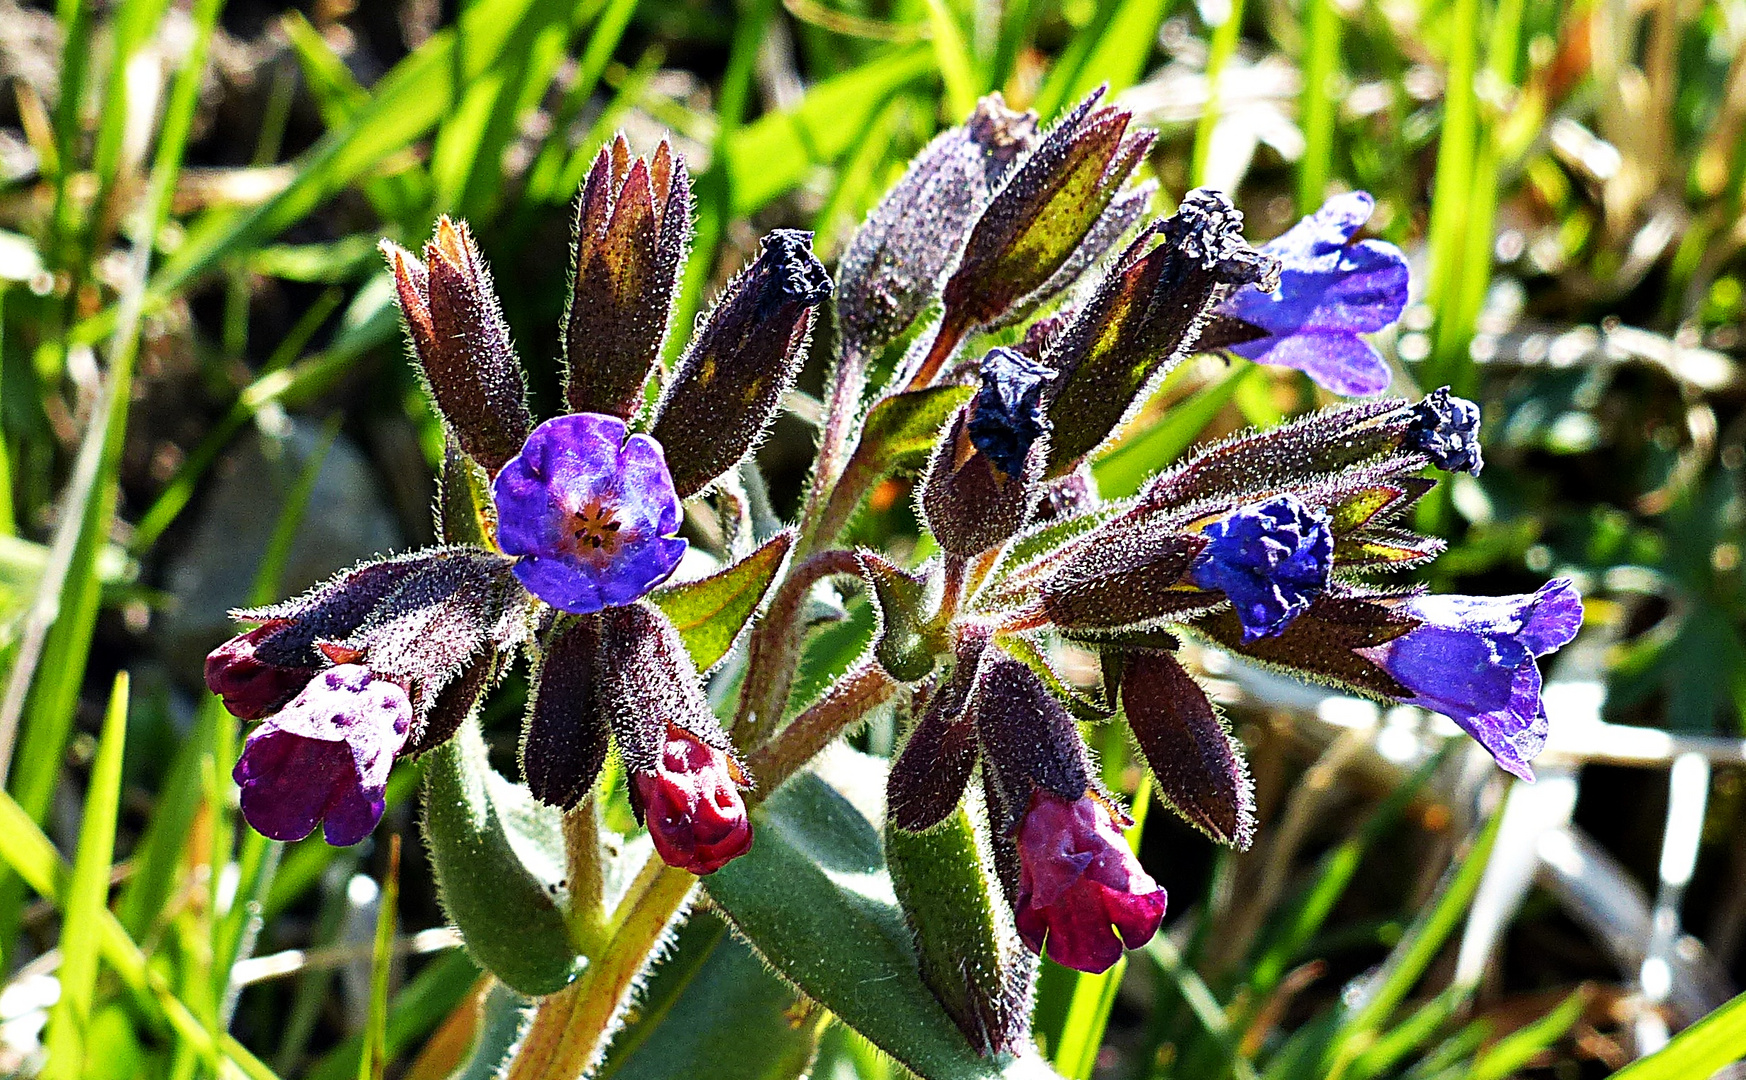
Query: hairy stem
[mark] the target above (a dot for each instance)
(836, 441)
(775, 644)
(945, 342)
(863, 688)
(585, 874)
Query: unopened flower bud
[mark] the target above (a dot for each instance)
(1006, 418)
(1082, 895)
(249, 685)
(1446, 429)
(1197, 763)
(894, 263)
(633, 225)
(751, 346)
(692, 805)
(1143, 318)
(1271, 558)
(462, 343)
(325, 758)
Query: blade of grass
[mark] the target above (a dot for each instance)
(1447, 232)
(953, 56)
(1516, 1049)
(1118, 58)
(373, 1060)
(1223, 47)
(548, 180)
(87, 895)
(1716, 1040)
(1141, 453)
(1321, 60)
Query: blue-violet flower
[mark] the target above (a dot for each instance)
(325, 758)
(1081, 894)
(1446, 429)
(1271, 558)
(1330, 291)
(590, 511)
(1007, 417)
(1473, 661)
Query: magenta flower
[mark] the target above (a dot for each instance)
(250, 686)
(1271, 559)
(1473, 660)
(691, 802)
(1082, 895)
(590, 511)
(1330, 291)
(325, 757)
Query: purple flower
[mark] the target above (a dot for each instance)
(1270, 558)
(325, 758)
(1081, 894)
(692, 804)
(591, 512)
(1473, 661)
(1330, 291)
(1007, 417)
(1446, 429)
(250, 686)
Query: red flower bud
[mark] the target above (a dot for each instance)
(692, 805)
(249, 686)
(1082, 895)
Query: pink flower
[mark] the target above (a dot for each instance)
(692, 804)
(1082, 894)
(250, 686)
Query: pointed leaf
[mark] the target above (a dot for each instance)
(710, 612)
(904, 647)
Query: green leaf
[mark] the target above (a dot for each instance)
(423, 1003)
(897, 436)
(498, 858)
(813, 897)
(1699, 1050)
(503, 1020)
(713, 1009)
(710, 613)
(88, 896)
(906, 648)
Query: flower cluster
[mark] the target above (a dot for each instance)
(579, 526)
(1049, 310)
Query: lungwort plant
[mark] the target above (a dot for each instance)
(998, 317)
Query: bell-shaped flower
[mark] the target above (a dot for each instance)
(1271, 558)
(249, 684)
(324, 758)
(1473, 660)
(1082, 895)
(1330, 291)
(692, 805)
(590, 511)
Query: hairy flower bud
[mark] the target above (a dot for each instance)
(1445, 428)
(692, 804)
(931, 771)
(462, 343)
(1127, 574)
(751, 346)
(1030, 742)
(1006, 418)
(325, 758)
(1196, 762)
(894, 263)
(250, 686)
(1082, 895)
(1144, 317)
(970, 503)
(633, 225)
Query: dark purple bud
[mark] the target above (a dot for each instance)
(567, 736)
(1143, 318)
(1271, 559)
(1445, 428)
(1330, 291)
(1082, 895)
(633, 226)
(692, 803)
(1328, 643)
(1006, 417)
(1472, 658)
(325, 758)
(894, 263)
(591, 511)
(452, 705)
(929, 775)
(1029, 740)
(970, 503)
(1127, 574)
(1268, 459)
(726, 387)
(462, 343)
(249, 686)
(1192, 754)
